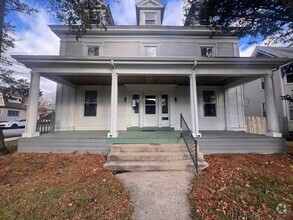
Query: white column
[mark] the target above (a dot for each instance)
(32, 109)
(193, 106)
(114, 105)
(272, 119)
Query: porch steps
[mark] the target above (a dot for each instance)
(151, 157)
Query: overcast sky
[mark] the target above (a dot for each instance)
(33, 36)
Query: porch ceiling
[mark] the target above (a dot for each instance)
(177, 80)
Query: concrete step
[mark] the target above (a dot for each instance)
(147, 147)
(126, 166)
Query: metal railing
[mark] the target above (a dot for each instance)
(190, 142)
(46, 124)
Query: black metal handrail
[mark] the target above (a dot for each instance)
(46, 124)
(190, 142)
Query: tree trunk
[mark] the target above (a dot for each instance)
(3, 149)
(2, 15)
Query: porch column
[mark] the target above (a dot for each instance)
(272, 118)
(193, 105)
(114, 103)
(32, 109)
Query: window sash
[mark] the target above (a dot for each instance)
(90, 103)
(209, 103)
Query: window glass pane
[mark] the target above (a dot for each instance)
(150, 100)
(93, 51)
(135, 103)
(262, 81)
(209, 104)
(291, 110)
(90, 104)
(150, 22)
(165, 103)
(150, 104)
(209, 96)
(264, 110)
(150, 110)
(289, 78)
(206, 51)
(151, 51)
(12, 113)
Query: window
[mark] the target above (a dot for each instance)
(12, 113)
(291, 111)
(206, 51)
(90, 103)
(93, 51)
(263, 109)
(262, 83)
(209, 103)
(135, 103)
(289, 77)
(150, 51)
(165, 106)
(150, 104)
(150, 18)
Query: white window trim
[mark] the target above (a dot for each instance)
(144, 45)
(157, 12)
(202, 103)
(207, 45)
(83, 102)
(87, 45)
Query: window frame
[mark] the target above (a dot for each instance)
(290, 108)
(215, 103)
(157, 14)
(84, 103)
(263, 109)
(145, 45)
(207, 46)
(13, 115)
(88, 45)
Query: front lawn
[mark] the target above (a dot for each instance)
(60, 186)
(244, 186)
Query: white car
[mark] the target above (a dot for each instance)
(17, 123)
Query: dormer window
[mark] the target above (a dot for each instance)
(93, 51)
(150, 18)
(206, 51)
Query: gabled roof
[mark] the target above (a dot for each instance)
(150, 4)
(282, 52)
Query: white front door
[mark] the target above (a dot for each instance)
(150, 111)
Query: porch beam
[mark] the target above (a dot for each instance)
(272, 117)
(114, 104)
(32, 109)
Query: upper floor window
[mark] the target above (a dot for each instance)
(93, 51)
(150, 18)
(150, 51)
(206, 51)
(209, 104)
(289, 77)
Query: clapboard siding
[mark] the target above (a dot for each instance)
(46, 145)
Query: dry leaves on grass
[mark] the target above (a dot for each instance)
(244, 186)
(60, 186)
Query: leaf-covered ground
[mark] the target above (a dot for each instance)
(60, 186)
(244, 186)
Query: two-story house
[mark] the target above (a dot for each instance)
(143, 76)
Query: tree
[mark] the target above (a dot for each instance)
(270, 20)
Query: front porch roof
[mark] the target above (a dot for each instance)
(216, 71)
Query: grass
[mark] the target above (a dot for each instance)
(60, 186)
(244, 186)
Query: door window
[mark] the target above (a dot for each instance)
(150, 104)
(135, 103)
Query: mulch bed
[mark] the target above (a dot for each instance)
(60, 186)
(244, 186)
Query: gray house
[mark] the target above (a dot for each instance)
(139, 78)
(254, 92)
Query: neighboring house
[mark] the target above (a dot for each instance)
(254, 92)
(145, 75)
(12, 107)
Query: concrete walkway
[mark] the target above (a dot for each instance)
(159, 195)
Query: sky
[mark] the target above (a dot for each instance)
(33, 36)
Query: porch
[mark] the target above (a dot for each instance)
(97, 141)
